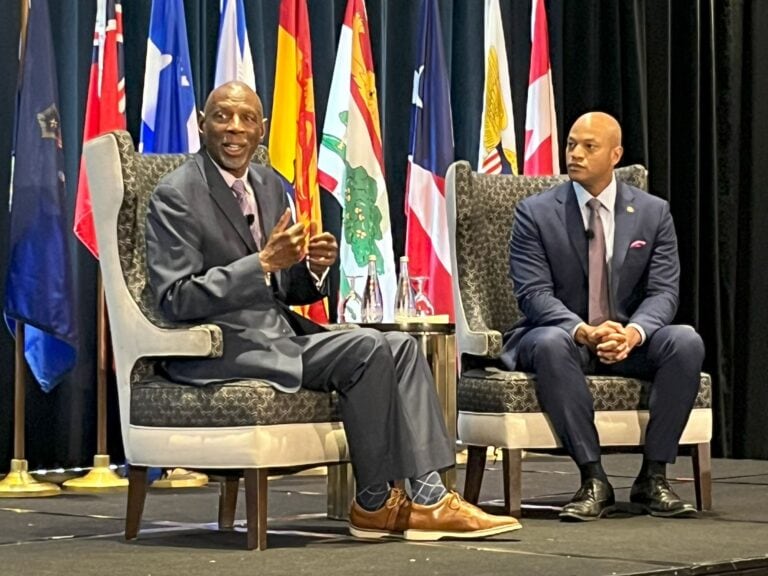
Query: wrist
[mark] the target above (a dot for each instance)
(265, 266)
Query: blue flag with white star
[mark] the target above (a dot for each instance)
(168, 111)
(38, 288)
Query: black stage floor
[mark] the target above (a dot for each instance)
(79, 534)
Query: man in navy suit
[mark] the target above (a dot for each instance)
(222, 248)
(596, 272)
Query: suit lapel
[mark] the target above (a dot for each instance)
(224, 198)
(267, 216)
(624, 223)
(570, 216)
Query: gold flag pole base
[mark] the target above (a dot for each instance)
(180, 478)
(101, 478)
(20, 484)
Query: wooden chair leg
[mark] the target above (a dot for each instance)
(473, 478)
(137, 493)
(513, 480)
(256, 507)
(702, 475)
(228, 488)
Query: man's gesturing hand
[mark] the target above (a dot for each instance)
(322, 250)
(285, 246)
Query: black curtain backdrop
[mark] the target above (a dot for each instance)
(682, 77)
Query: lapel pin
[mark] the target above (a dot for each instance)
(630, 209)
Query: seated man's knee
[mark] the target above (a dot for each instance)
(549, 343)
(684, 340)
(370, 340)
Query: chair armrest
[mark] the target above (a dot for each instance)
(484, 342)
(203, 340)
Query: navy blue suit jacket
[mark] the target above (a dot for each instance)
(549, 255)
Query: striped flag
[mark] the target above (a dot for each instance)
(38, 287)
(541, 149)
(351, 165)
(429, 155)
(105, 106)
(233, 58)
(292, 136)
(168, 111)
(498, 148)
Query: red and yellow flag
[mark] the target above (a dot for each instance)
(293, 137)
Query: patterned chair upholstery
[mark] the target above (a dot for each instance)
(232, 429)
(497, 407)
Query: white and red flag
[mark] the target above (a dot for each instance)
(541, 150)
(105, 107)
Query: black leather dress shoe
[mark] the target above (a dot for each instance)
(591, 501)
(655, 497)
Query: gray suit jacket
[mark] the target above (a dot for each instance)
(203, 267)
(549, 255)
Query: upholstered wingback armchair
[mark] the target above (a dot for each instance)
(497, 407)
(243, 427)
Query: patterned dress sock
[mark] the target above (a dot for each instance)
(427, 489)
(372, 498)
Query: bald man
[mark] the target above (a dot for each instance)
(595, 270)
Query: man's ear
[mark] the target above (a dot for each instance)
(264, 128)
(200, 120)
(617, 153)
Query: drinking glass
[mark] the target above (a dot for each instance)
(351, 307)
(423, 305)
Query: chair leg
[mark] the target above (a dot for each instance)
(228, 488)
(340, 490)
(473, 478)
(256, 507)
(702, 475)
(513, 480)
(137, 493)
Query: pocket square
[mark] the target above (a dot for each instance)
(637, 244)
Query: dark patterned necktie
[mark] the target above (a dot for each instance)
(248, 206)
(598, 269)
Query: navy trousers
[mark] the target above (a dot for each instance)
(671, 360)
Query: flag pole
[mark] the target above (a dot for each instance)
(101, 477)
(19, 483)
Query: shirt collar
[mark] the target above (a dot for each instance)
(607, 197)
(230, 178)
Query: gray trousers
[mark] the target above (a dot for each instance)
(392, 419)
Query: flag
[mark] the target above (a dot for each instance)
(292, 136)
(38, 289)
(498, 149)
(233, 58)
(429, 155)
(105, 106)
(351, 164)
(541, 148)
(168, 111)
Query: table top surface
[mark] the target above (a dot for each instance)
(412, 327)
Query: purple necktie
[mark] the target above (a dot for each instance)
(248, 206)
(598, 270)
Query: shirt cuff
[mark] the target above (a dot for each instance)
(573, 332)
(639, 330)
(319, 280)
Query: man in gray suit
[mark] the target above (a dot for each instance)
(222, 248)
(595, 269)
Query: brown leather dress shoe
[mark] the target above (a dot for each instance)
(453, 517)
(391, 520)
